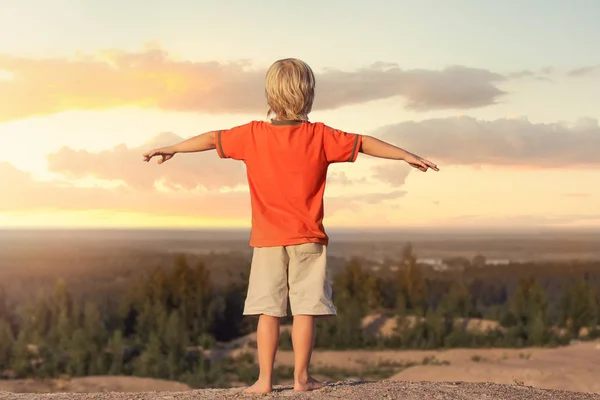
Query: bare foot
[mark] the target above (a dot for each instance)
(310, 384)
(259, 388)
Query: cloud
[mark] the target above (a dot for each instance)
(451, 88)
(584, 71)
(184, 171)
(153, 79)
(393, 173)
(502, 142)
(340, 178)
(200, 185)
(28, 195)
(357, 202)
(540, 75)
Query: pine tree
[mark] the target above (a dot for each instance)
(53, 363)
(458, 302)
(175, 343)
(62, 301)
(529, 306)
(151, 362)
(412, 283)
(39, 319)
(7, 341)
(5, 310)
(160, 319)
(93, 325)
(95, 334)
(145, 322)
(21, 361)
(435, 328)
(204, 311)
(579, 307)
(64, 330)
(79, 354)
(116, 346)
(538, 331)
(348, 326)
(350, 287)
(157, 288)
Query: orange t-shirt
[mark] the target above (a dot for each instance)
(286, 163)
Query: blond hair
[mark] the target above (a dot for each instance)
(290, 89)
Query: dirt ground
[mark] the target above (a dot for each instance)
(572, 367)
(345, 390)
(91, 384)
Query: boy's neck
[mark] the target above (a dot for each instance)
(278, 121)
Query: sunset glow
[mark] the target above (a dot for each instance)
(511, 119)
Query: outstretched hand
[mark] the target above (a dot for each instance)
(166, 153)
(420, 163)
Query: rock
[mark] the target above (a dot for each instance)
(342, 390)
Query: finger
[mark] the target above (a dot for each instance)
(431, 165)
(419, 167)
(422, 166)
(165, 157)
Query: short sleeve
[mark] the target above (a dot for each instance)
(340, 146)
(232, 143)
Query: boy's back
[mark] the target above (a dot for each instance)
(287, 165)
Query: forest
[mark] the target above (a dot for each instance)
(162, 323)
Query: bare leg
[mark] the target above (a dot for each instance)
(267, 341)
(303, 333)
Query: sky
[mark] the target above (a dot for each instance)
(503, 96)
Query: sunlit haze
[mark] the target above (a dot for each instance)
(503, 96)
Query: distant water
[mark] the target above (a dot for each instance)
(378, 245)
(243, 234)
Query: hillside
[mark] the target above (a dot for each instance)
(346, 390)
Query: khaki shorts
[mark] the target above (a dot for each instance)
(299, 271)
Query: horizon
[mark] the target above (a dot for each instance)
(427, 231)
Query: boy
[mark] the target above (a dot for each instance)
(286, 161)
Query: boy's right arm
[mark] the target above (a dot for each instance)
(203, 142)
(378, 148)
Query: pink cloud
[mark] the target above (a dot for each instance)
(27, 195)
(153, 79)
(510, 142)
(186, 171)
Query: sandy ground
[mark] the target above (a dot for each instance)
(90, 384)
(348, 391)
(574, 368)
